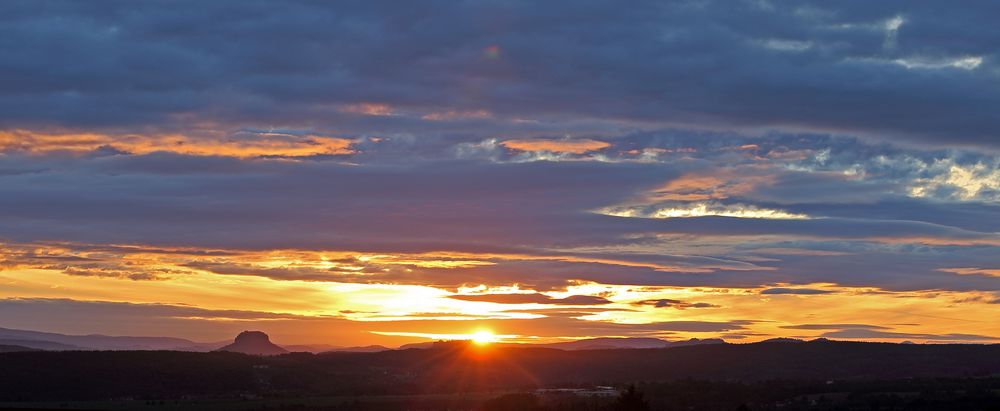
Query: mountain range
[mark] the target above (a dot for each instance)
(61, 342)
(47, 341)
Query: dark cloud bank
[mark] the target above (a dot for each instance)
(907, 71)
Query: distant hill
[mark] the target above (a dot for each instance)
(321, 348)
(39, 344)
(607, 343)
(15, 348)
(61, 342)
(254, 343)
(420, 345)
(627, 343)
(313, 348)
(366, 348)
(54, 341)
(695, 341)
(783, 340)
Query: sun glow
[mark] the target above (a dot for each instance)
(483, 337)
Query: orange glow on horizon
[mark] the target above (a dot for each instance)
(483, 337)
(223, 290)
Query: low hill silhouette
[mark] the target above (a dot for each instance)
(457, 367)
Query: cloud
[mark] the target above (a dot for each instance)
(988, 272)
(46, 307)
(527, 222)
(572, 146)
(767, 67)
(504, 145)
(533, 298)
(116, 318)
(368, 109)
(700, 209)
(834, 327)
(557, 327)
(669, 303)
(795, 291)
(242, 144)
(108, 262)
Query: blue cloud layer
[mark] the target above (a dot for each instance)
(909, 71)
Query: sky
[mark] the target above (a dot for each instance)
(375, 172)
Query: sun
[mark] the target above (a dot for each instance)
(483, 337)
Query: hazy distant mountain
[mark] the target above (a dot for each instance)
(313, 348)
(420, 345)
(254, 343)
(39, 344)
(783, 340)
(15, 348)
(59, 342)
(626, 343)
(607, 343)
(367, 348)
(319, 348)
(696, 341)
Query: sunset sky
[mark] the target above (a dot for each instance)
(369, 172)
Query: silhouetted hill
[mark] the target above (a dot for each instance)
(254, 343)
(458, 367)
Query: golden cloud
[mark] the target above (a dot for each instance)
(368, 109)
(571, 146)
(713, 186)
(252, 145)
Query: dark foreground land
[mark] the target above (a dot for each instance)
(821, 375)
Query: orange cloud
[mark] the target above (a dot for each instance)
(307, 311)
(138, 262)
(254, 145)
(989, 272)
(942, 240)
(368, 109)
(457, 115)
(572, 146)
(701, 187)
